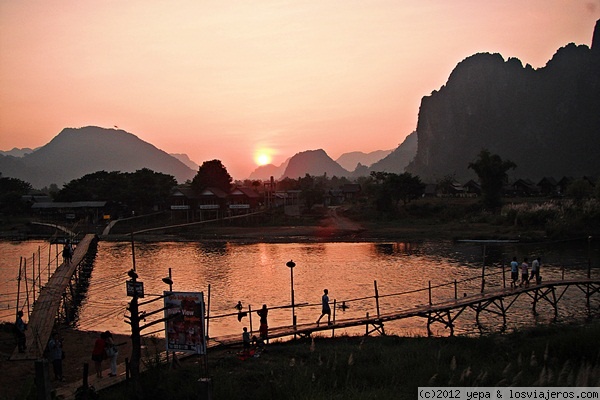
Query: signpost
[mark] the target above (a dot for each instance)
(135, 287)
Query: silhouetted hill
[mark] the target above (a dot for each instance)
(74, 153)
(315, 163)
(547, 120)
(265, 172)
(184, 158)
(398, 159)
(17, 152)
(349, 161)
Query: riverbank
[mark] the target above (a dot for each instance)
(345, 367)
(17, 377)
(337, 228)
(390, 367)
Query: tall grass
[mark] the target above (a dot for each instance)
(389, 367)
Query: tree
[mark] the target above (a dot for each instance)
(446, 183)
(139, 191)
(580, 189)
(312, 190)
(390, 189)
(212, 174)
(11, 192)
(492, 173)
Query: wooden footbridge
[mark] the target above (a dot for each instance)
(48, 304)
(497, 302)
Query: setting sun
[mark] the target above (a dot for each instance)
(262, 158)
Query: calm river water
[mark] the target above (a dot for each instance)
(256, 274)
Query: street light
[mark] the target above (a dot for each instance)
(291, 266)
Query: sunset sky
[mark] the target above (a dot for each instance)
(232, 80)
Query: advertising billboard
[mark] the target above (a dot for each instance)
(184, 322)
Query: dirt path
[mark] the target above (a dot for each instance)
(17, 376)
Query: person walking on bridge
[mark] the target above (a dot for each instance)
(535, 270)
(67, 252)
(514, 272)
(325, 309)
(524, 272)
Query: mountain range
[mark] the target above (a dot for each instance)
(546, 121)
(75, 152)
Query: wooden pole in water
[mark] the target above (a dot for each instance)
(26, 286)
(39, 269)
(503, 275)
(19, 284)
(376, 298)
(250, 317)
(49, 261)
(483, 271)
(208, 311)
(33, 274)
(430, 293)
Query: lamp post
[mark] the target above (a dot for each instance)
(291, 266)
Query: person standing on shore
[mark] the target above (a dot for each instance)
(325, 309)
(55, 353)
(246, 341)
(99, 353)
(20, 328)
(264, 326)
(111, 352)
(514, 272)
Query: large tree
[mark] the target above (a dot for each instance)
(140, 190)
(492, 173)
(392, 188)
(212, 174)
(11, 194)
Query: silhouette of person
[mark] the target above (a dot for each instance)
(525, 272)
(55, 353)
(246, 340)
(535, 270)
(241, 314)
(264, 326)
(67, 252)
(99, 353)
(325, 309)
(20, 328)
(514, 272)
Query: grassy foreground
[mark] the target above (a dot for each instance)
(387, 367)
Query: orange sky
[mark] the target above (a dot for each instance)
(224, 79)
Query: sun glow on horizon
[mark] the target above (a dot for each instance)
(262, 157)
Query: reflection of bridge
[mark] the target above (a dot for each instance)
(497, 302)
(52, 295)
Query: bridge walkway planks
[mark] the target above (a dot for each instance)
(425, 311)
(41, 320)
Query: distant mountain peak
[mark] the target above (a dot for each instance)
(315, 163)
(75, 152)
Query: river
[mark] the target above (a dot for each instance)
(256, 274)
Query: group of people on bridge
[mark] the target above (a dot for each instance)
(525, 276)
(264, 326)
